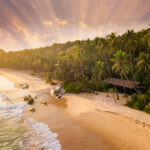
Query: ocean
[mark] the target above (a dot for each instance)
(18, 132)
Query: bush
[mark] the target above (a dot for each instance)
(139, 75)
(148, 91)
(146, 81)
(44, 103)
(75, 87)
(139, 101)
(147, 108)
(98, 86)
(48, 77)
(71, 87)
(52, 82)
(125, 95)
(111, 90)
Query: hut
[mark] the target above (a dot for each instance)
(123, 83)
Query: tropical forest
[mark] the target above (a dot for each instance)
(83, 65)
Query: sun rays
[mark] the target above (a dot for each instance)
(29, 23)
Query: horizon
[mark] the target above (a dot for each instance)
(32, 24)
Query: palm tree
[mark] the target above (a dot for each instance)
(143, 62)
(106, 53)
(112, 41)
(99, 72)
(130, 44)
(121, 63)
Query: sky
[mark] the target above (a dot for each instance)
(26, 24)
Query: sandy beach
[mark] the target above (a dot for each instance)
(84, 121)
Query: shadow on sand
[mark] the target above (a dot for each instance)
(62, 102)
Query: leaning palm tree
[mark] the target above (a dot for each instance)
(143, 62)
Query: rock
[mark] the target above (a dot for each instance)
(24, 86)
(32, 110)
(29, 99)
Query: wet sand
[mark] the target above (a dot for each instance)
(78, 122)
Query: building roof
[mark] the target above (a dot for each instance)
(120, 82)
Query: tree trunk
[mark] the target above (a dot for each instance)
(110, 74)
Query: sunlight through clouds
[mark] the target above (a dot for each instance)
(61, 22)
(47, 23)
(85, 26)
(36, 23)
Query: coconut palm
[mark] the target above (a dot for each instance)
(120, 63)
(130, 44)
(143, 62)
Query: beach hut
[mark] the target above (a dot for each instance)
(123, 83)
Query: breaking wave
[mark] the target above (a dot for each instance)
(20, 132)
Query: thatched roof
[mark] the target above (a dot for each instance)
(120, 82)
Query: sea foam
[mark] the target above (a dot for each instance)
(39, 136)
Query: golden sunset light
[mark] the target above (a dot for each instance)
(37, 23)
(74, 74)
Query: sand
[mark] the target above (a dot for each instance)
(84, 121)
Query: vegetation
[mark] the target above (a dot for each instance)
(44, 103)
(82, 65)
(140, 102)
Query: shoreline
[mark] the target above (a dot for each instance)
(96, 119)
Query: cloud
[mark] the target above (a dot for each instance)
(32, 39)
(85, 26)
(39, 23)
(7, 41)
(47, 36)
(61, 22)
(47, 23)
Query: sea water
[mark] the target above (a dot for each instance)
(18, 132)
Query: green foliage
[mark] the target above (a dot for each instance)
(147, 108)
(139, 75)
(146, 80)
(70, 88)
(82, 65)
(98, 86)
(148, 91)
(125, 95)
(111, 90)
(74, 87)
(140, 102)
(120, 62)
(143, 62)
(48, 77)
(44, 103)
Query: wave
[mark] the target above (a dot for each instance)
(37, 136)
